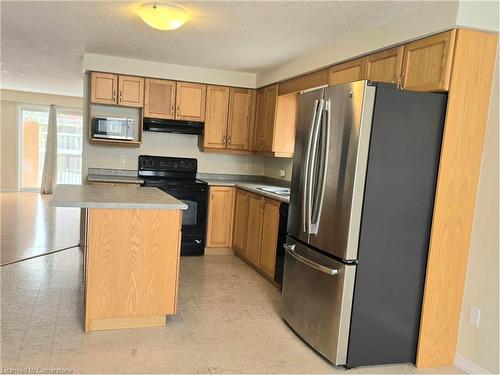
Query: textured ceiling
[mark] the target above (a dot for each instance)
(43, 42)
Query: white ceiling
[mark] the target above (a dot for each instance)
(43, 42)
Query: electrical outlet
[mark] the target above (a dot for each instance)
(248, 167)
(474, 316)
(282, 173)
(123, 159)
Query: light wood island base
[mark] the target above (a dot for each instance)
(131, 267)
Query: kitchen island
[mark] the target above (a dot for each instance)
(130, 238)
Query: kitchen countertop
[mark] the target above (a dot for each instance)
(252, 187)
(101, 196)
(114, 178)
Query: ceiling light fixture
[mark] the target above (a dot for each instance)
(164, 16)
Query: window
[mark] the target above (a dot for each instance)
(33, 137)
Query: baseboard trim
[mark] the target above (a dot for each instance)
(8, 190)
(218, 250)
(468, 366)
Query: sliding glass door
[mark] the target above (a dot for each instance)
(33, 137)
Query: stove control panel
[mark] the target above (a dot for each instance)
(167, 164)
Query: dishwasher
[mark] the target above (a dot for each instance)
(280, 250)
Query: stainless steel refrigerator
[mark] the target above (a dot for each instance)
(362, 195)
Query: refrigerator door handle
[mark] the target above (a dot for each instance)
(305, 190)
(312, 168)
(291, 250)
(324, 140)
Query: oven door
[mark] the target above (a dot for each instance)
(193, 218)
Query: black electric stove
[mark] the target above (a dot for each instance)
(177, 177)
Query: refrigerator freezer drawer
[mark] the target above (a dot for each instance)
(317, 299)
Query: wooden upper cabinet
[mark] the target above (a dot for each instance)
(254, 228)
(103, 88)
(269, 237)
(190, 101)
(131, 91)
(285, 125)
(220, 216)
(215, 134)
(240, 222)
(159, 98)
(238, 127)
(349, 71)
(427, 63)
(304, 82)
(260, 121)
(275, 122)
(384, 66)
(271, 99)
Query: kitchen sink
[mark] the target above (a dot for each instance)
(284, 192)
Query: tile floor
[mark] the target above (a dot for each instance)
(227, 322)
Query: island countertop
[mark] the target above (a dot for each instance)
(101, 196)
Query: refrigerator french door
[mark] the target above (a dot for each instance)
(333, 134)
(362, 195)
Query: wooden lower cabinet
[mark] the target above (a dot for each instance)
(240, 221)
(220, 216)
(255, 233)
(254, 228)
(269, 236)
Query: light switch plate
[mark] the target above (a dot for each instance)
(474, 316)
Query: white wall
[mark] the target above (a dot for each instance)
(273, 166)
(152, 69)
(480, 345)
(9, 128)
(481, 15)
(412, 26)
(179, 145)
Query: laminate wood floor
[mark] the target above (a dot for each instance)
(31, 227)
(227, 321)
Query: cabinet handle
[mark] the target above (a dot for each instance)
(212, 196)
(224, 139)
(396, 80)
(172, 110)
(178, 110)
(402, 81)
(114, 95)
(121, 96)
(229, 140)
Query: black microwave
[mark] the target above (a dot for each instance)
(113, 128)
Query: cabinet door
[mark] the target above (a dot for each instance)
(240, 105)
(131, 91)
(385, 66)
(190, 101)
(269, 238)
(216, 117)
(427, 63)
(240, 222)
(159, 98)
(349, 71)
(271, 99)
(260, 121)
(220, 216)
(103, 88)
(255, 214)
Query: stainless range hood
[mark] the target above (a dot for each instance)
(173, 126)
